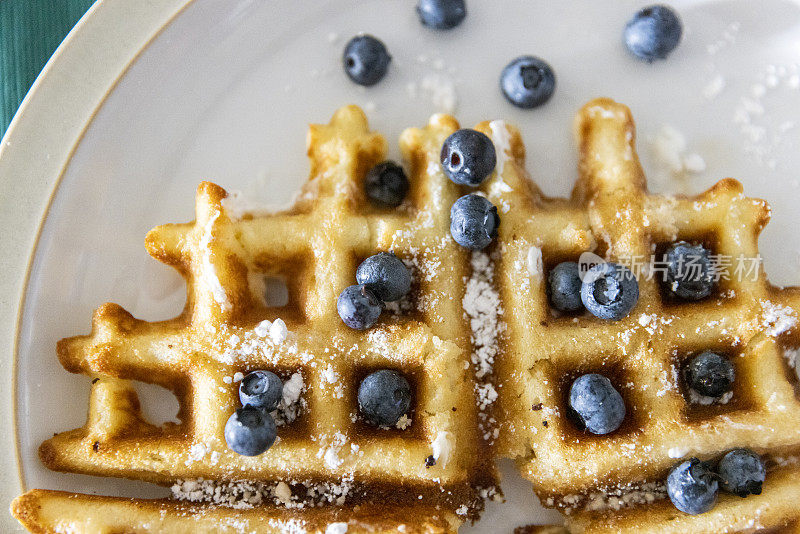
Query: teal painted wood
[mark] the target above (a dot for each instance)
(30, 31)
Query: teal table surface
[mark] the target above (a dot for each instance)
(30, 31)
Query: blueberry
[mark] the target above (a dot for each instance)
(692, 487)
(384, 397)
(528, 82)
(250, 431)
(689, 271)
(468, 157)
(441, 14)
(358, 307)
(609, 291)
(366, 60)
(261, 389)
(709, 374)
(596, 403)
(564, 284)
(473, 221)
(653, 33)
(386, 184)
(742, 472)
(385, 275)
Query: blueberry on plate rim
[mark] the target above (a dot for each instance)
(742, 472)
(366, 60)
(386, 184)
(609, 291)
(596, 404)
(358, 307)
(528, 82)
(468, 157)
(473, 222)
(692, 487)
(564, 287)
(261, 389)
(387, 276)
(250, 431)
(441, 14)
(653, 32)
(709, 374)
(689, 272)
(384, 397)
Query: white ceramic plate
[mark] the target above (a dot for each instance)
(225, 92)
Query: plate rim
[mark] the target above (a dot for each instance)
(125, 31)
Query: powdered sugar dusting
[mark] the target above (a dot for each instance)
(793, 359)
(482, 305)
(777, 318)
(502, 145)
(441, 448)
(670, 148)
(237, 205)
(209, 274)
(336, 528)
(245, 494)
(330, 452)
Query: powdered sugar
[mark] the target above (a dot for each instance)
(714, 87)
(612, 498)
(793, 359)
(289, 526)
(336, 528)
(677, 452)
(777, 319)
(502, 145)
(330, 376)
(670, 148)
(330, 450)
(262, 328)
(482, 305)
(696, 398)
(278, 331)
(441, 91)
(764, 135)
(247, 494)
(209, 273)
(441, 447)
(534, 262)
(236, 205)
(198, 451)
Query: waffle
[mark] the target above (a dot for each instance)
(436, 469)
(44, 511)
(612, 214)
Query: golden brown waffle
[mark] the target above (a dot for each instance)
(522, 356)
(774, 511)
(325, 455)
(612, 214)
(50, 512)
